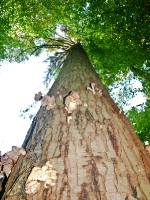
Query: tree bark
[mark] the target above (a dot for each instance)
(96, 155)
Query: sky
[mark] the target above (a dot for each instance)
(19, 82)
(18, 85)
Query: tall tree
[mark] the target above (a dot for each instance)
(93, 150)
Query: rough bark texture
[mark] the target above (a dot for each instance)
(96, 156)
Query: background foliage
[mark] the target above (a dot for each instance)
(115, 35)
(141, 121)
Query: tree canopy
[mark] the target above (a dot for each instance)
(115, 35)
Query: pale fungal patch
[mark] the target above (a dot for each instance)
(92, 88)
(120, 111)
(101, 126)
(45, 174)
(68, 119)
(100, 93)
(32, 187)
(60, 96)
(49, 102)
(85, 105)
(7, 167)
(72, 101)
(9, 159)
(147, 148)
(15, 152)
(38, 96)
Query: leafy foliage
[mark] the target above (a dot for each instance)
(25, 113)
(125, 90)
(140, 118)
(115, 35)
(55, 62)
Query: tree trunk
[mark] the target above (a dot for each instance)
(96, 154)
